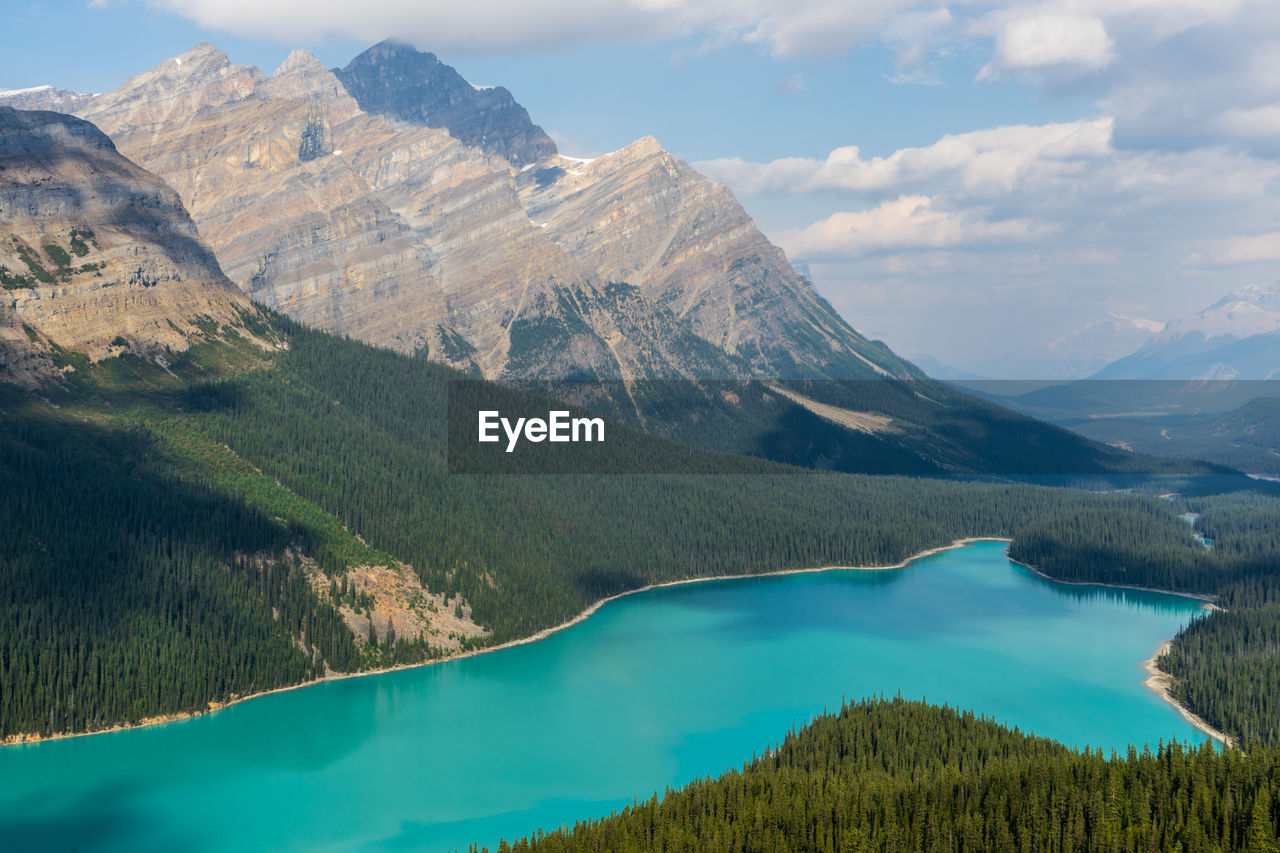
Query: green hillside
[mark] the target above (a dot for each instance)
(191, 533)
(902, 776)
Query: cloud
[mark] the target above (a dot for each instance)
(791, 86)
(452, 28)
(906, 222)
(1051, 40)
(1256, 123)
(991, 161)
(1242, 249)
(797, 28)
(822, 29)
(1051, 224)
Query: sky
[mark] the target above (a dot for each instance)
(976, 180)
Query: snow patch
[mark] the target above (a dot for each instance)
(1138, 322)
(26, 91)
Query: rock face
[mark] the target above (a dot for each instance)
(394, 202)
(639, 215)
(397, 81)
(96, 254)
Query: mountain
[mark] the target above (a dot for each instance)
(641, 216)
(1203, 387)
(97, 256)
(44, 98)
(377, 217)
(1237, 337)
(394, 80)
(1085, 351)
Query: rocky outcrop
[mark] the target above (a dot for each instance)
(395, 80)
(96, 254)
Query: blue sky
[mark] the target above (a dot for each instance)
(974, 180)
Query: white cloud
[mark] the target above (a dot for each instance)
(1049, 40)
(795, 28)
(823, 28)
(985, 162)
(909, 221)
(1242, 249)
(792, 85)
(1051, 224)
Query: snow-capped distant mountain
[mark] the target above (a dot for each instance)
(1238, 337)
(44, 98)
(1087, 350)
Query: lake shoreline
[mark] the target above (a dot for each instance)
(1210, 601)
(148, 722)
(1157, 681)
(1161, 683)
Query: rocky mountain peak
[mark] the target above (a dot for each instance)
(1252, 310)
(299, 59)
(302, 76)
(202, 77)
(199, 66)
(645, 146)
(379, 201)
(1260, 296)
(396, 80)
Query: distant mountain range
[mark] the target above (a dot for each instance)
(1087, 350)
(1237, 337)
(1205, 387)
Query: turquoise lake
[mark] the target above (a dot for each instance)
(655, 689)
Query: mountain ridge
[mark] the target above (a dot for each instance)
(448, 250)
(1237, 337)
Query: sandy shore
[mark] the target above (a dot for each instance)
(1158, 681)
(585, 614)
(1161, 682)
